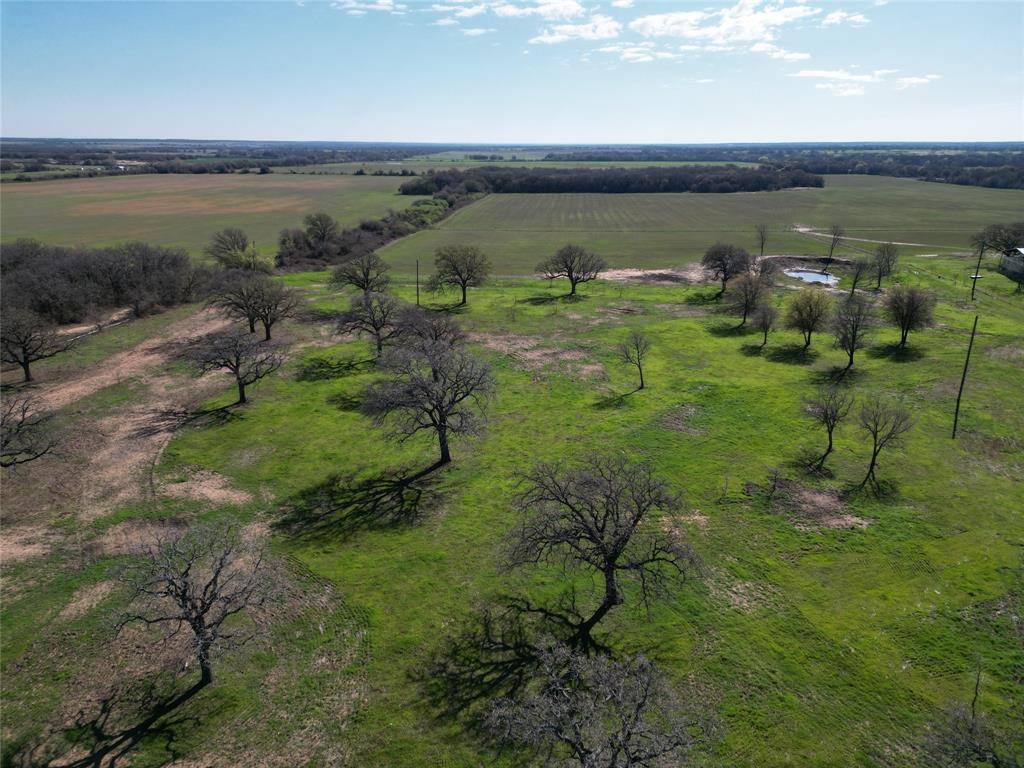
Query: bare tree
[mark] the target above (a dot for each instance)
(829, 408)
(764, 319)
(375, 314)
(808, 311)
(596, 712)
(852, 323)
(573, 262)
(858, 271)
(238, 296)
(633, 351)
(909, 309)
(420, 328)
(463, 266)
(367, 272)
(725, 262)
(231, 248)
(197, 582)
(746, 292)
(436, 387)
(761, 230)
(886, 255)
(239, 353)
(836, 235)
(26, 433)
(26, 338)
(596, 516)
(886, 423)
(273, 303)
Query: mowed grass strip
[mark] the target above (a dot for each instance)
(186, 209)
(663, 230)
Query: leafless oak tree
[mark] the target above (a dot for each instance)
(829, 407)
(836, 235)
(367, 272)
(418, 327)
(725, 262)
(26, 433)
(375, 314)
(237, 352)
(858, 271)
(885, 423)
(573, 262)
(197, 582)
(909, 309)
(461, 266)
(595, 516)
(273, 303)
(808, 311)
(26, 338)
(436, 387)
(238, 297)
(761, 230)
(596, 712)
(633, 351)
(764, 319)
(745, 293)
(852, 323)
(885, 258)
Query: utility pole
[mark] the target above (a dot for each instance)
(417, 282)
(977, 271)
(963, 377)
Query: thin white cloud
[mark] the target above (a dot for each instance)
(639, 53)
(598, 28)
(549, 10)
(845, 17)
(360, 7)
(460, 11)
(749, 21)
(910, 82)
(444, 22)
(843, 82)
(622, 3)
(778, 53)
(477, 31)
(705, 80)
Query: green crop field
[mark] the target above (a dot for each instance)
(660, 230)
(184, 210)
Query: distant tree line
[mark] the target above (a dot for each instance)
(691, 178)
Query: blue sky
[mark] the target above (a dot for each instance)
(525, 71)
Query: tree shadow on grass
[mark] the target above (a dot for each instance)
(104, 735)
(752, 350)
(791, 354)
(894, 353)
(614, 401)
(836, 375)
(342, 505)
(703, 298)
(726, 330)
(345, 401)
(495, 652)
(324, 368)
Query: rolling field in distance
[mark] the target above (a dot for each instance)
(424, 164)
(185, 210)
(662, 230)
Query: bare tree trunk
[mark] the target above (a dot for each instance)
(266, 331)
(252, 325)
(26, 370)
(871, 472)
(241, 391)
(765, 340)
(828, 450)
(641, 370)
(463, 303)
(611, 599)
(807, 339)
(572, 283)
(442, 440)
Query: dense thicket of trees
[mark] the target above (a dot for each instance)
(689, 178)
(63, 285)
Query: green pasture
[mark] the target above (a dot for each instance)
(823, 646)
(185, 209)
(664, 230)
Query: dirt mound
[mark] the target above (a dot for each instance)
(809, 508)
(204, 485)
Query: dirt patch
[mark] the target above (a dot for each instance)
(204, 485)
(1008, 352)
(690, 274)
(530, 353)
(620, 311)
(133, 537)
(682, 418)
(682, 310)
(746, 596)
(131, 363)
(811, 508)
(24, 543)
(85, 599)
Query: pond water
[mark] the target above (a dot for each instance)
(811, 277)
